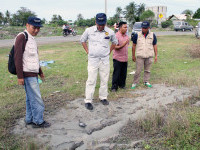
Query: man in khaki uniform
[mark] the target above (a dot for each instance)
(98, 50)
(143, 50)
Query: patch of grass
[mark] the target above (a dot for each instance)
(194, 50)
(69, 73)
(10, 32)
(177, 127)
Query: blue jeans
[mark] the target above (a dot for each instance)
(34, 102)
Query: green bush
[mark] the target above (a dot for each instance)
(192, 22)
(166, 24)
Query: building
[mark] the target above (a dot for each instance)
(160, 13)
(178, 17)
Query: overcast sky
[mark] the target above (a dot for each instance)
(69, 9)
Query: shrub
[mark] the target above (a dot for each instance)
(166, 24)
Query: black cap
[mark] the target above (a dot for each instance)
(101, 19)
(145, 24)
(35, 21)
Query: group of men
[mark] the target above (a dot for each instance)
(143, 50)
(98, 50)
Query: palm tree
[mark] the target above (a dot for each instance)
(188, 12)
(79, 17)
(118, 13)
(1, 18)
(140, 10)
(130, 12)
(7, 17)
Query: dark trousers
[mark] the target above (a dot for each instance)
(119, 74)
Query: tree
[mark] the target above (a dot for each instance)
(112, 20)
(79, 17)
(86, 22)
(140, 10)
(197, 14)
(21, 17)
(130, 12)
(187, 12)
(147, 15)
(7, 17)
(119, 11)
(1, 18)
(57, 20)
(44, 21)
(166, 24)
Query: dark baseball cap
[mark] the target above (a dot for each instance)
(145, 24)
(101, 19)
(35, 21)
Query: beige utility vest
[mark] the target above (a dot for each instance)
(144, 47)
(30, 56)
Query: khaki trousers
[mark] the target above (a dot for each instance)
(140, 64)
(104, 71)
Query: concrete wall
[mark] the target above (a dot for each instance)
(159, 10)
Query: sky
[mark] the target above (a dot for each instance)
(69, 9)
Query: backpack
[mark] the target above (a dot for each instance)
(11, 59)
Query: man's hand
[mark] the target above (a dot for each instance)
(126, 42)
(84, 44)
(155, 59)
(134, 58)
(21, 81)
(42, 77)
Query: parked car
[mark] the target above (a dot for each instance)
(137, 27)
(182, 26)
(197, 31)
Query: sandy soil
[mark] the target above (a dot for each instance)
(104, 122)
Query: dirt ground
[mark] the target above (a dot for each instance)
(104, 122)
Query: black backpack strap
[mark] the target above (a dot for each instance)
(26, 36)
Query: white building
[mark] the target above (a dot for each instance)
(159, 11)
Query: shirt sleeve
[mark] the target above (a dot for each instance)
(154, 39)
(134, 38)
(84, 36)
(113, 39)
(19, 48)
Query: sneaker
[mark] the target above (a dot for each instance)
(104, 102)
(45, 124)
(133, 86)
(148, 84)
(89, 106)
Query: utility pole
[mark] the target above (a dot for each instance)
(106, 7)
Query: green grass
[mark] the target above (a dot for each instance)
(10, 32)
(177, 127)
(69, 73)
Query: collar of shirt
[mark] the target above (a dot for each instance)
(145, 35)
(29, 35)
(122, 34)
(96, 30)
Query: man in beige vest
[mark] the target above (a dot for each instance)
(143, 50)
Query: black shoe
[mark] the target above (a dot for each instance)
(123, 87)
(104, 102)
(89, 106)
(42, 125)
(28, 123)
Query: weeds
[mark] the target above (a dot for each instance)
(177, 127)
(194, 50)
